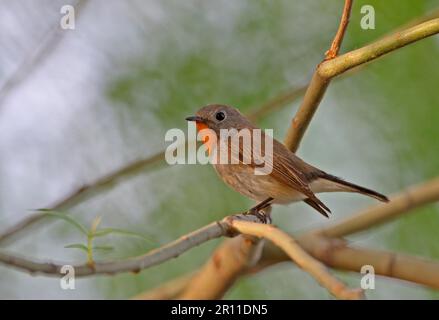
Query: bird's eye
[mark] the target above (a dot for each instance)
(220, 116)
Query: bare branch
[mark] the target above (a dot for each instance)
(331, 68)
(336, 254)
(154, 257)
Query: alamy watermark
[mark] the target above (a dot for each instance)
(68, 19)
(368, 279)
(67, 282)
(368, 18)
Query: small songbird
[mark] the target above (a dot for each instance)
(291, 179)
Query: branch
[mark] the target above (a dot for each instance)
(335, 254)
(338, 39)
(154, 257)
(331, 68)
(294, 250)
(334, 67)
(229, 226)
(415, 196)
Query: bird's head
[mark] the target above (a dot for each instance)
(217, 117)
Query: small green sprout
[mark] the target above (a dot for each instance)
(91, 234)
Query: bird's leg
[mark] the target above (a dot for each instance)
(256, 210)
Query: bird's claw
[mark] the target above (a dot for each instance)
(266, 219)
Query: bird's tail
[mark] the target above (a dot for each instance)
(343, 185)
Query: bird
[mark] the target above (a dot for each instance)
(291, 178)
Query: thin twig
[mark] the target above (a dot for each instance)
(338, 39)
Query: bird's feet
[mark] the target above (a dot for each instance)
(262, 211)
(260, 214)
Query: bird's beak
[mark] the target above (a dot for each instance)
(196, 119)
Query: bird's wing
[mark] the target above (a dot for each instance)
(287, 169)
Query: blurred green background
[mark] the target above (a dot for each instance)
(108, 91)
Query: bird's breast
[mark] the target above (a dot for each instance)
(243, 179)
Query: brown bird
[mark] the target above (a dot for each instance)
(291, 178)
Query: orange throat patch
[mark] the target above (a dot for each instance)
(205, 136)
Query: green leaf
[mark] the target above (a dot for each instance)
(65, 217)
(104, 248)
(107, 231)
(77, 246)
